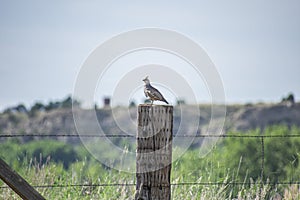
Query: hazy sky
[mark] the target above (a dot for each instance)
(255, 45)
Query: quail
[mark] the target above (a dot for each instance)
(152, 92)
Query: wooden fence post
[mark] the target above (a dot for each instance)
(17, 183)
(154, 152)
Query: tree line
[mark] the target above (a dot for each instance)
(39, 106)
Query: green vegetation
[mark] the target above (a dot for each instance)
(39, 106)
(281, 163)
(234, 159)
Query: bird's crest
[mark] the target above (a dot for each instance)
(146, 78)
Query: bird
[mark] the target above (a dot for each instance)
(152, 92)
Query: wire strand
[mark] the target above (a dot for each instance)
(133, 136)
(172, 184)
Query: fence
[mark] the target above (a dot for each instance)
(262, 159)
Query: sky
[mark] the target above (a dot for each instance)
(254, 45)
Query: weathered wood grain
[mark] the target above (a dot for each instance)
(17, 183)
(154, 152)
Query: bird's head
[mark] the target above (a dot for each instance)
(146, 80)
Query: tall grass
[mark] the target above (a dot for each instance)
(48, 173)
(233, 167)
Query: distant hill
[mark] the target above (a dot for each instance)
(261, 116)
(121, 120)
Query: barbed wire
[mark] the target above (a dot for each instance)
(261, 137)
(63, 135)
(172, 184)
(133, 136)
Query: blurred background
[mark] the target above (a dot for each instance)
(254, 45)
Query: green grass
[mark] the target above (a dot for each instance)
(54, 163)
(54, 174)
